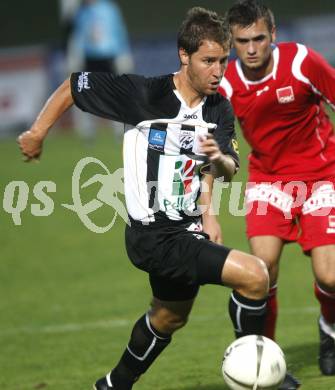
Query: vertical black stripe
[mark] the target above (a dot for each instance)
(155, 150)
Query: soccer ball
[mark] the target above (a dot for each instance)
(253, 362)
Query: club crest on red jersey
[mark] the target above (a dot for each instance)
(285, 95)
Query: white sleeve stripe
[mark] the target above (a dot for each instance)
(297, 73)
(225, 84)
(296, 64)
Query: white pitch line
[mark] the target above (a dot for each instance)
(120, 323)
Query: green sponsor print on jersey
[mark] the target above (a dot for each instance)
(182, 179)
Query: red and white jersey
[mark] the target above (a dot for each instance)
(282, 116)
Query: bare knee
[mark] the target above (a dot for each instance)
(327, 283)
(256, 286)
(323, 263)
(246, 274)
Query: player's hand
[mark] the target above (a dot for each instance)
(211, 226)
(31, 145)
(210, 147)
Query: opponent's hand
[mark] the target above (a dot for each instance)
(31, 145)
(210, 147)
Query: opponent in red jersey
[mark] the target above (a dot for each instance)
(277, 92)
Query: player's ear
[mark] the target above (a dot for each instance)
(184, 57)
(273, 34)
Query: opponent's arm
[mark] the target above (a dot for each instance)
(31, 141)
(210, 223)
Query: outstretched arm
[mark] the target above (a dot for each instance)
(31, 141)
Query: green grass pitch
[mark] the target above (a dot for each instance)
(68, 296)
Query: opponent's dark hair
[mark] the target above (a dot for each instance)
(202, 24)
(246, 12)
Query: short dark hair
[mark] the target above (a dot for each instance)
(247, 12)
(202, 24)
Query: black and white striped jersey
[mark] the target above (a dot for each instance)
(162, 158)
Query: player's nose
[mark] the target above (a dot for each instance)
(218, 70)
(251, 48)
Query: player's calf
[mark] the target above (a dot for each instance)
(144, 346)
(249, 278)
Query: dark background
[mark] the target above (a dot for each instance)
(37, 22)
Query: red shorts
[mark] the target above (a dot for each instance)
(294, 211)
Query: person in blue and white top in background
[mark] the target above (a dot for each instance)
(98, 43)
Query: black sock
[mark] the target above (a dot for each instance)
(145, 344)
(247, 315)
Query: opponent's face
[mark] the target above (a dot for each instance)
(206, 66)
(253, 45)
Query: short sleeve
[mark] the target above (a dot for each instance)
(109, 96)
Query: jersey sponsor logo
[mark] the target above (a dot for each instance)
(157, 139)
(285, 95)
(190, 116)
(83, 81)
(186, 139)
(260, 91)
(179, 185)
(182, 178)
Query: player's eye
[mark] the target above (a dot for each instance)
(224, 61)
(242, 41)
(208, 61)
(260, 38)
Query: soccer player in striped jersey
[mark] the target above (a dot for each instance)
(278, 93)
(177, 129)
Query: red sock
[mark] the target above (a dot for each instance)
(327, 302)
(271, 314)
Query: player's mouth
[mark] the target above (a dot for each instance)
(215, 84)
(252, 59)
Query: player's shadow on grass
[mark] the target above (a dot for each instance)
(302, 356)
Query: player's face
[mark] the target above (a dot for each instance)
(253, 46)
(206, 66)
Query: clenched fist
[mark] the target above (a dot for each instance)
(30, 144)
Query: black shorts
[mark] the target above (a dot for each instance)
(178, 261)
